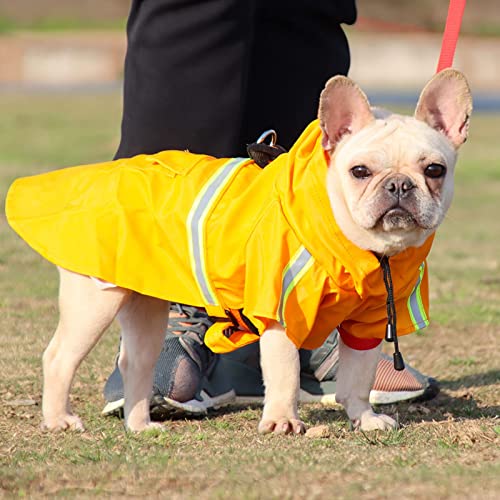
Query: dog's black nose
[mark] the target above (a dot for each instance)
(399, 185)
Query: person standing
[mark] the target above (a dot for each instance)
(209, 76)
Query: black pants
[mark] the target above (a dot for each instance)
(210, 75)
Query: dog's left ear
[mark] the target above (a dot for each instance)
(343, 109)
(446, 105)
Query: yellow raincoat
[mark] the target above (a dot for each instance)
(226, 235)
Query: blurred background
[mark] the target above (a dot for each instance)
(61, 68)
(395, 44)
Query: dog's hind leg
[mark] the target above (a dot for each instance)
(355, 378)
(85, 313)
(144, 323)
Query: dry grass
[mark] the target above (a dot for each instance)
(446, 448)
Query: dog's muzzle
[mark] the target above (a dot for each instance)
(397, 218)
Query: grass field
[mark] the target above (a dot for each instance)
(446, 448)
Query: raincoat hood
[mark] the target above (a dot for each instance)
(304, 185)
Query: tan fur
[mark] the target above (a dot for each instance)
(394, 148)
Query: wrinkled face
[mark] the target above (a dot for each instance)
(394, 181)
(390, 177)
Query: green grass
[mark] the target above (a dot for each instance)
(62, 129)
(53, 23)
(447, 448)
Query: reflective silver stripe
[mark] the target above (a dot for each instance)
(196, 222)
(293, 272)
(415, 305)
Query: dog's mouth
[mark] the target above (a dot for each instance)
(397, 218)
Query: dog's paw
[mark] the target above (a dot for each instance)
(153, 427)
(62, 423)
(147, 426)
(371, 421)
(282, 425)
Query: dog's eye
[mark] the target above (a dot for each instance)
(435, 171)
(360, 172)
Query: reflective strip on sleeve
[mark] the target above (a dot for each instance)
(293, 272)
(196, 223)
(415, 305)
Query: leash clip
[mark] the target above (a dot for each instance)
(268, 133)
(263, 153)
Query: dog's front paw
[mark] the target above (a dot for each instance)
(282, 425)
(62, 423)
(371, 421)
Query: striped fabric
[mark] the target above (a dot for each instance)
(294, 270)
(196, 223)
(415, 305)
(388, 379)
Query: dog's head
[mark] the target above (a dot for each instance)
(390, 177)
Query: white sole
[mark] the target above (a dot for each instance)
(304, 397)
(376, 398)
(193, 407)
(113, 406)
(387, 398)
(207, 402)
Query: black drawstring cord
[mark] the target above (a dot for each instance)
(391, 334)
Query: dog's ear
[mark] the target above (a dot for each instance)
(343, 109)
(446, 105)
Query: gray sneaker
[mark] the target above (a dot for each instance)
(180, 379)
(318, 377)
(191, 380)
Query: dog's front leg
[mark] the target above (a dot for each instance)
(281, 373)
(355, 378)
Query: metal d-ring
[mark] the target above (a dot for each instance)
(266, 134)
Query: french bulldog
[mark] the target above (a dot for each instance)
(388, 180)
(390, 183)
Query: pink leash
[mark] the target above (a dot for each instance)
(451, 31)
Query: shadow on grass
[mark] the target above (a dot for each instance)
(443, 407)
(473, 380)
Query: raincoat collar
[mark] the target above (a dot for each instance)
(303, 184)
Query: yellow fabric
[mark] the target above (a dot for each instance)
(221, 338)
(129, 222)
